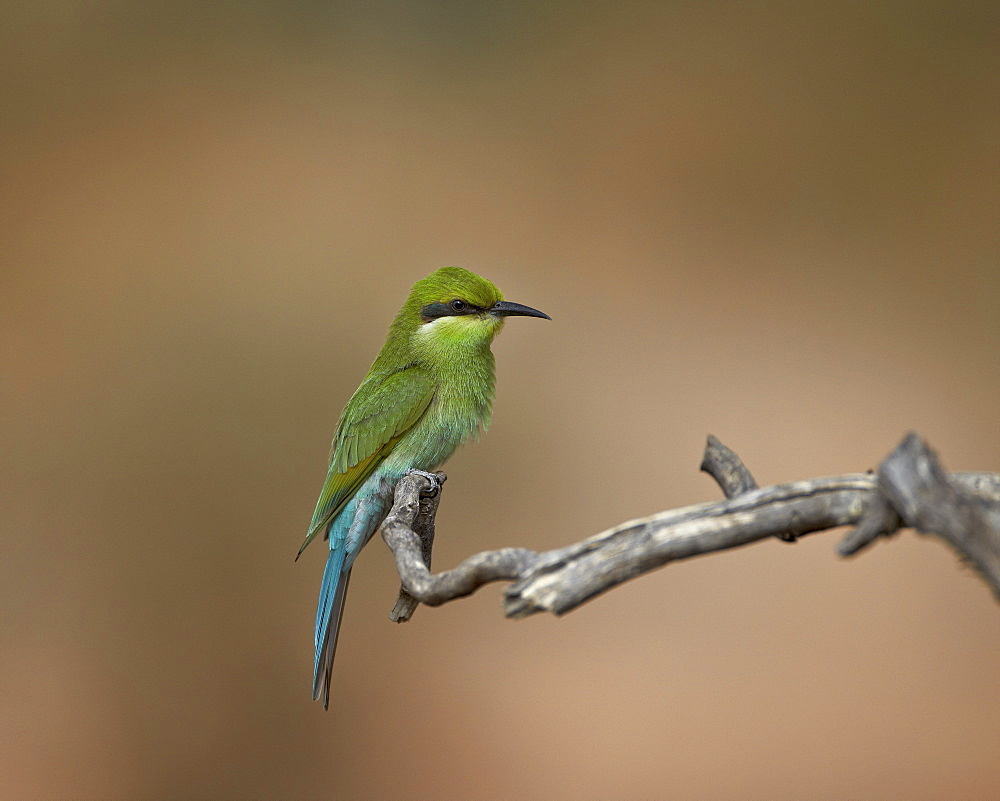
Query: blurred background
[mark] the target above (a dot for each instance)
(774, 222)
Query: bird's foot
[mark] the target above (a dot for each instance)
(432, 477)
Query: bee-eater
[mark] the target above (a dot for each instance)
(429, 389)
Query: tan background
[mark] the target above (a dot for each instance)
(775, 222)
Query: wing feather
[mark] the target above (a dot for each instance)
(382, 410)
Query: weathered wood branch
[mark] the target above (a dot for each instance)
(909, 490)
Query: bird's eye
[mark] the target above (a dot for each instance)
(458, 305)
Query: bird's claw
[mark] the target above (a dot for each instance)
(433, 478)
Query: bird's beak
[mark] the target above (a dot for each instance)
(503, 308)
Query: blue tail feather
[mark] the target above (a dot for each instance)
(332, 592)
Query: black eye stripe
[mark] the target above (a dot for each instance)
(433, 311)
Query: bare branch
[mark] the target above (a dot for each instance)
(909, 490)
(422, 525)
(879, 520)
(726, 468)
(413, 511)
(914, 483)
(731, 474)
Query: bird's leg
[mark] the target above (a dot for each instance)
(432, 477)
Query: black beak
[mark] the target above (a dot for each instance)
(503, 308)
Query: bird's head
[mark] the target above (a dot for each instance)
(455, 307)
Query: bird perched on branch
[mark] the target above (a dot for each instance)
(430, 388)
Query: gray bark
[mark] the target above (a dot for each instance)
(909, 490)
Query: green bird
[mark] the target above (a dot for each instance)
(430, 388)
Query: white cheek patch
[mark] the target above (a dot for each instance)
(436, 326)
(429, 329)
(459, 331)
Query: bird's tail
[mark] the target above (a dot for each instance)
(328, 613)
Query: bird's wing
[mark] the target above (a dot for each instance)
(382, 410)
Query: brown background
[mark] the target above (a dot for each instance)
(775, 222)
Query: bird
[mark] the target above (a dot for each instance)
(430, 388)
